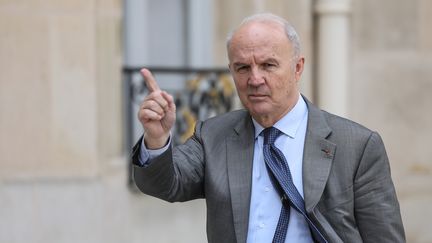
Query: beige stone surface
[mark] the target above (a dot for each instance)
(49, 6)
(390, 93)
(74, 92)
(425, 19)
(60, 90)
(386, 24)
(94, 211)
(25, 100)
(22, 108)
(110, 112)
(395, 101)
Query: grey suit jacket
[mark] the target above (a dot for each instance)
(348, 191)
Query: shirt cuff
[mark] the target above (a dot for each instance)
(147, 154)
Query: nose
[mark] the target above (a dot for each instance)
(256, 78)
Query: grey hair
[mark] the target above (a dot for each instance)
(269, 17)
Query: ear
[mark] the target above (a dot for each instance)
(299, 67)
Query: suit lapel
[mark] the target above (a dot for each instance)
(240, 149)
(317, 161)
(317, 158)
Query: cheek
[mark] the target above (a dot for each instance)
(283, 87)
(241, 85)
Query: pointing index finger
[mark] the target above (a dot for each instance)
(149, 80)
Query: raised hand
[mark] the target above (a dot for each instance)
(157, 113)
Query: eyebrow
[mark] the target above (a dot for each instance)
(271, 59)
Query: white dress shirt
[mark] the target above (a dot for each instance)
(265, 206)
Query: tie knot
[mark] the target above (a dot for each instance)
(270, 135)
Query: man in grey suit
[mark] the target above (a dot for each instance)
(338, 169)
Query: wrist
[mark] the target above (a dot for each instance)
(156, 142)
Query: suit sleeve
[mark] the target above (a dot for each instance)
(175, 175)
(376, 206)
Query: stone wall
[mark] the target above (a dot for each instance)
(390, 90)
(60, 90)
(62, 158)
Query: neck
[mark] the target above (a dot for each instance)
(269, 120)
(265, 121)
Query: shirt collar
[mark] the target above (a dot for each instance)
(290, 123)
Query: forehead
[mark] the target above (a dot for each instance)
(259, 38)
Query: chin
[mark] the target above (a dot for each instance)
(261, 110)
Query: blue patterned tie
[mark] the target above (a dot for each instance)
(282, 180)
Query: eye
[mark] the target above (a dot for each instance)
(242, 69)
(269, 65)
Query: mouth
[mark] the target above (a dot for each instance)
(257, 97)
